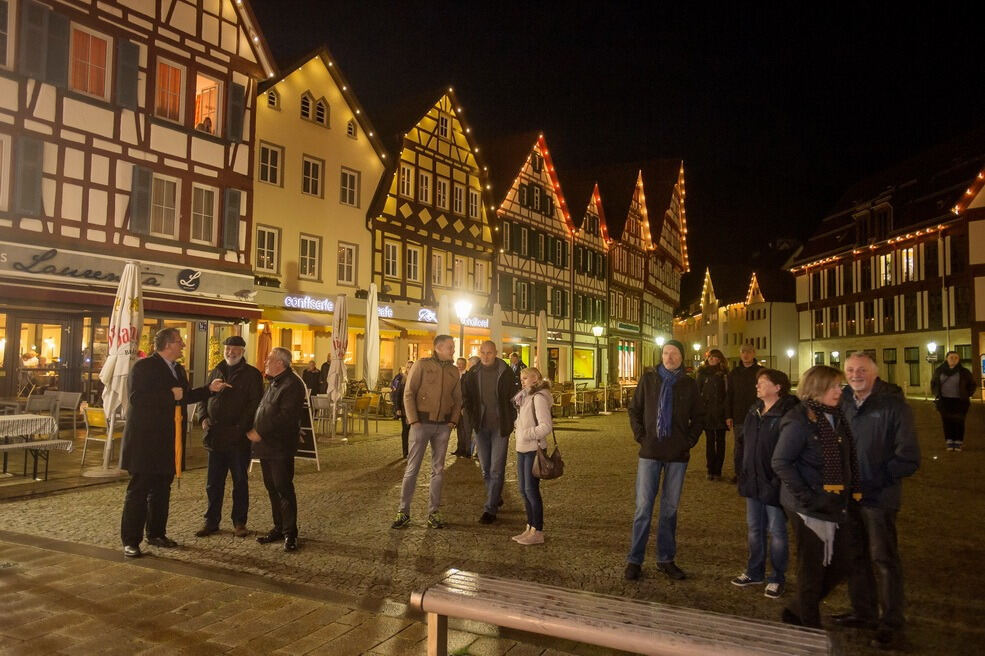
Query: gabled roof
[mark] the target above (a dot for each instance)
(776, 286)
(505, 157)
(731, 284)
(258, 41)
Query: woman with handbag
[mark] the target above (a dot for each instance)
(533, 425)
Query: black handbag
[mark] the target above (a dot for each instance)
(545, 466)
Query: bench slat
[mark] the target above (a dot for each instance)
(46, 445)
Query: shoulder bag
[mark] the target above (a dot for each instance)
(547, 466)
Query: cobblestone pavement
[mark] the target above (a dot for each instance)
(348, 547)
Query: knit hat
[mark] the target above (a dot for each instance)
(677, 345)
(235, 340)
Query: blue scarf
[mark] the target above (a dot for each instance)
(665, 411)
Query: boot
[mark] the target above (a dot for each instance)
(532, 537)
(516, 538)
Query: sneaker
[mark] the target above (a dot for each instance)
(532, 537)
(516, 538)
(742, 580)
(633, 572)
(774, 590)
(435, 521)
(957, 446)
(402, 520)
(671, 569)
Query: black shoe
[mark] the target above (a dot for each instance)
(789, 617)
(206, 531)
(633, 572)
(672, 570)
(273, 536)
(162, 541)
(291, 543)
(887, 640)
(500, 503)
(132, 552)
(853, 621)
(487, 518)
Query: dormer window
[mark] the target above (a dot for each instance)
(306, 106)
(321, 112)
(273, 99)
(350, 129)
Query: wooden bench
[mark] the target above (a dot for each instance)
(37, 449)
(615, 622)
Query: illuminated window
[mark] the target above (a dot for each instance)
(524, 241)
(164, 202)
(391, 260)
(907, 264)
(885, 272)
(204, 208)
(208, 100)
(89, 63)
(167, 104)
(266, 258)
(349, 188)
(414, 263)
(309, 257)
(346, 264)
(407, 180)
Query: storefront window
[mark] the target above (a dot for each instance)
(584, 363)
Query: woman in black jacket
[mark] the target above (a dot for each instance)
(816, 462)
(713, 387)
(397, 398)
(952, 386)
(760, 486)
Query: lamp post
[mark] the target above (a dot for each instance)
(597, 331)
(931, 359)
(697, 347)
(834, 357)
(463, 308)
(790, 353)
(660, 340)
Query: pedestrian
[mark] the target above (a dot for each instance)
(516, 366)
(158, 384)
(952, 386)
(312, 378)
(740, 397)
(397, 397)
(464, 428)
(432, 404)
(275, 435)
(533, 425)
(667, 417)
(817, 465)
(487, 397)
(325, 367)
(713, 387)
(888, 451)
(759, 484)
(226, 418)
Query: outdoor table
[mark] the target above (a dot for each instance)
(24, 426)
(12, 406)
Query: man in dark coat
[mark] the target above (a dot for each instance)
(740, 397)
(226, 418)
(516, 366)
(157, 384)
(667, 417)
(887, 448)
(275, 435)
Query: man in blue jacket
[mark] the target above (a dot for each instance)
(887, 448)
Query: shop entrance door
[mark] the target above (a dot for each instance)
(42, 354)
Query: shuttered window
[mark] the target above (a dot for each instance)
(90, 63)
(167, 99)
(230, 219)
(506, 291)
(33, 31)
(127, 69)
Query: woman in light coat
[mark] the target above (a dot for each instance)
(533, 425)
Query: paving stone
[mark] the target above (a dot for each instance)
(314, 639)
(484, 646)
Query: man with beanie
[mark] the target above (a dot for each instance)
(226, 418)
(740, 396)
(667, 417)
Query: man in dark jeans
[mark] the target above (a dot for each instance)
(887, 448)
(226, 418)
(275, 434)
(740, 396)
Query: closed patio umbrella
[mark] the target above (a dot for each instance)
(540, 359)
(496, 326)
(264, 346)
(340, 341)
(371, 363)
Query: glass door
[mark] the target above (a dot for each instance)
(42, 355)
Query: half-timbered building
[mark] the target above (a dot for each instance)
(125, 132)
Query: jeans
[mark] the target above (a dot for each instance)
(815, 580)
(146, 504)
(761, 518)
(235, 462)
(647, 486)
(715, 450)
(953, 414)
(420, 436)
(530, 489)
(877, 574)
(492, 449)
(278, 478)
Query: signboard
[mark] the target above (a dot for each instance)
(427, 315)
(323, 304)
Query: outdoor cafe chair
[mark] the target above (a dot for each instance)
(42, 405)
(68, 406)
(96, 429)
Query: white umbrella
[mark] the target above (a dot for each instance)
(444, 316)
(125, 324)
(540, 360)
(496, 326)
(340, 341)
(371, 365)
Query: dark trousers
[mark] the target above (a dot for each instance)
(404, 434)
(715, 450)
(278, 478)
(234, 462)
(737, 448)
(877, 574)
(815, 580)
(953, 415)
(464, 431)
(146, 505)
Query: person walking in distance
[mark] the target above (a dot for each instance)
(952, 386)
(275, 436)
(225, 418)
(312, 378)
(487, 397)
(667, 417)
(463, 448)
(397, 397)
(740, 396)
(533, 425)
(432, 404)
(888, 452)
(713, 387)
(157, 385)
(516, 366)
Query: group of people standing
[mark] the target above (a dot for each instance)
(831, 462)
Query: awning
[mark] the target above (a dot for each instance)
(297, 316)
(417, 328)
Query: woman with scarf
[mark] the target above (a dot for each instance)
(533, 425)
(713, 384)
(816, 462)
(952, 386)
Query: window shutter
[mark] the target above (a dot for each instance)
(236, 107)
(564, 255)
(34, 31)
(127, 65)
(550, 205)
(28, 160)
(540, 297)
(140, 194)
(506, 291)
(230, 220)
(57, 57)
(515, 238)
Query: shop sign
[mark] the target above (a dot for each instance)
(554, 334)
(427, 315)
(327, 305)
(476, 322)
(384, 312)
(628, 327)
(188, 279)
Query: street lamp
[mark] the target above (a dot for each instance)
(790, 353)
(463, 308)
(697, 347)
(931, 351)
(834, 357)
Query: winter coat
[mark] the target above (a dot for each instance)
(231, 411)
(885, 442)
(312, 380)
(433, 392)
(741, 394)
(757, 480)
(713, 387)
(966, 386)
(148, 436)
(278, 417)
(687, 419)
(506, 389)
(397, 394)
(533, 421)
(798, 461)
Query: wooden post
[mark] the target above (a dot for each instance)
(437, 635)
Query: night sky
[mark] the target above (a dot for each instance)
(776, 110)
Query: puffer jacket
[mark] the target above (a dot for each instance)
(533, 420)
(687, 420)
(278, 417)
(757, 480)
(433, 392)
